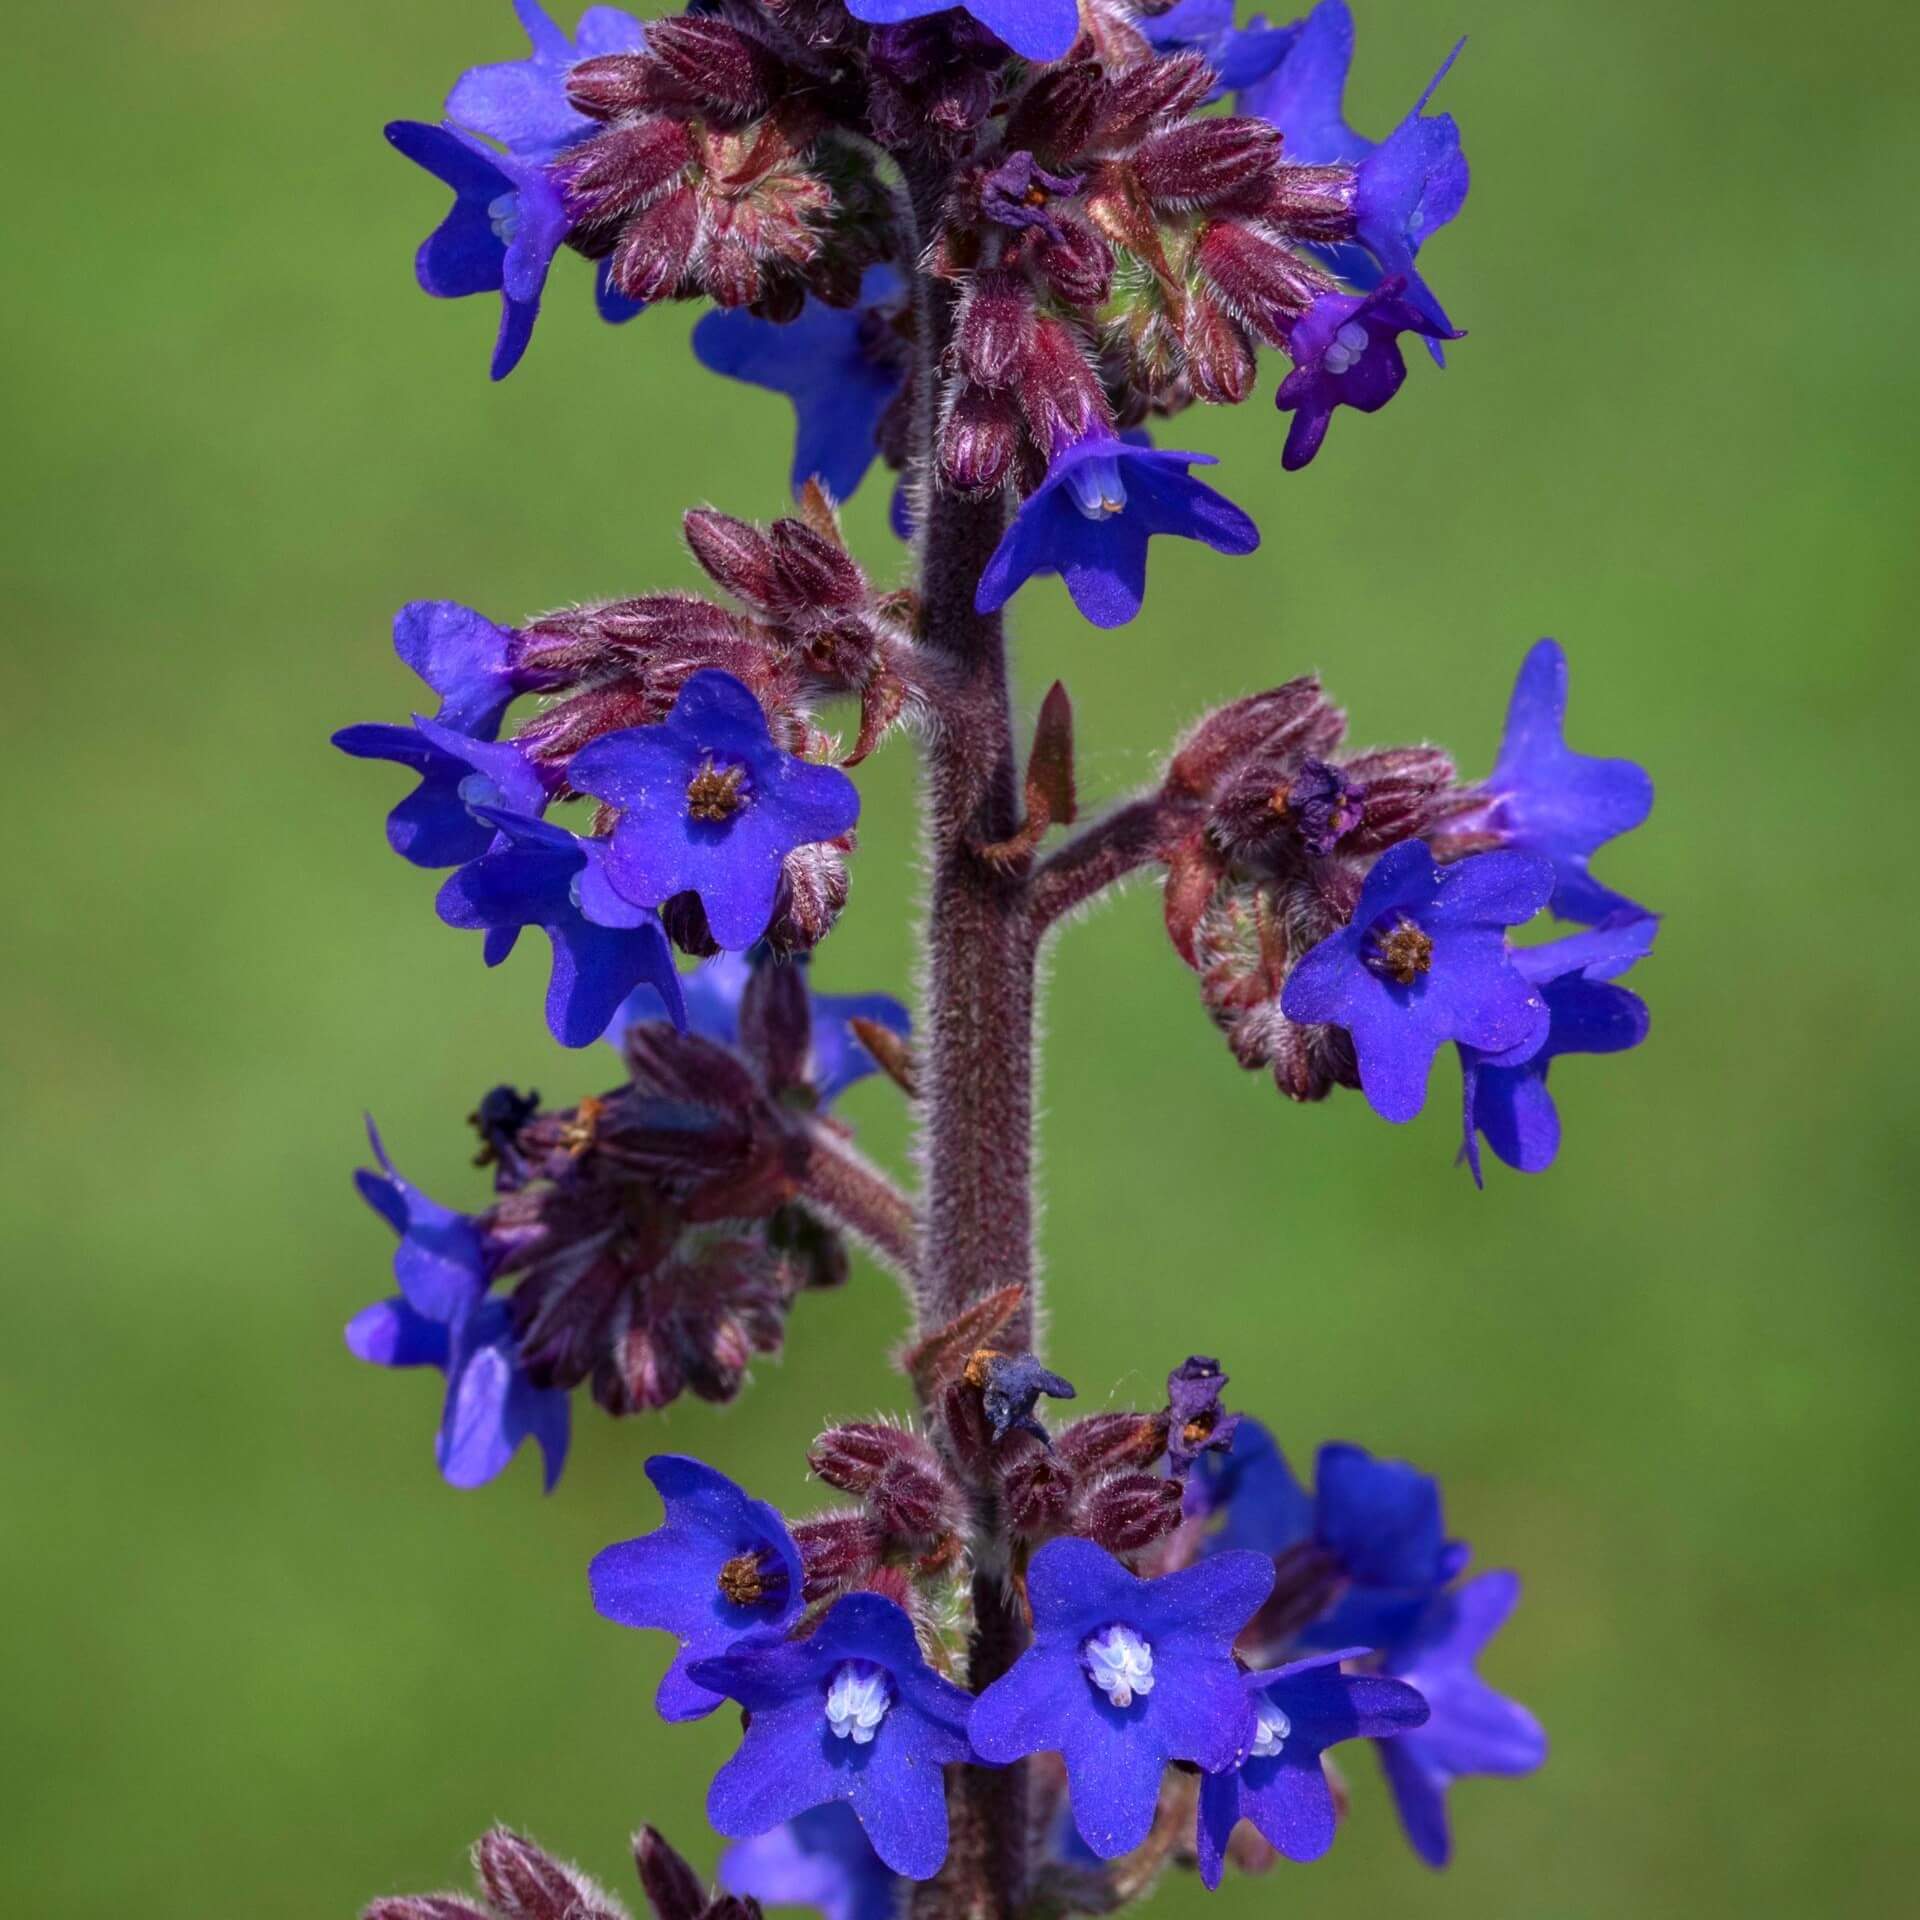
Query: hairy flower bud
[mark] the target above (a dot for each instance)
(1295, 719)
(1408, 791)
(1105, 1442)
(1205, 161)
(1075, 262)
(1152, 91)
(1311, 203)
(1036, 1487)
(1128, 1512)
(1266, 284)
(1060, 393)
(715, 65)
(1220, 365)
(979, 440)
(814, 572)
(994, 330)
(1056, 116)
(624, 168)
(837, 1550)
(656, 247)
(813, 890)
(526, 1884)
(609, 85)
(674, 1891)
(735, 554)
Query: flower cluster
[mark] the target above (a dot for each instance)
(988, 248)
(647, 1242)
(1115, 254)
(1351, 914)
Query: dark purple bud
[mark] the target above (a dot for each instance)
(624, 168)
(853, 1457)
(1408, 792)
(1309, 1062)
(813, 1252)
(1010, 1386)
(995, 327)
(1205, 161)
(609, 85)
(1058, 112)
(1035, 1488)
(1220, 364)
(1268, 285)
(979, 440)
(838, 1550)
(1128, 1512)
(674, 1891)
(1196, 1421)
(498, 1120)
(714, 64)
(1060, 393)
(1294, 719)
(783, 299)
(1108, 1442)
(1311, 203)
(685, 920)
(813, 890)
(814, 572)
(735, 554)
(1077, 263)
(1153, 91)
(915, 1499)
(526, 1884)
(656, 247)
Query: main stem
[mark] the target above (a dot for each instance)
(976, 1047)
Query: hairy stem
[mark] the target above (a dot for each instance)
(975, 1051)
(1116, 845)
(846, 1188)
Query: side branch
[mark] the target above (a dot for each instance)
(1120, 843)
(850, 1191)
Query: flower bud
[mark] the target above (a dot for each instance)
(979, 440)
(1220, 365)
(714, 64)
(674, 1891)
(1204, 161)
(1311, 203)
(655, 248)
(1152, 91)
(424, 1906)
(526, 1884)
(609, 85)
(914, 1498)
(814, 572)
(1408, 791)
(1057, 114)
(1105, 1442)
(994, 329)
(837, 1550)
(1060, 393)
(852, 1457)
(776, 1024)
(735, 554)
(1035, 1487)
(1076, 263)
(1293, 719)
(813, 889)
(1268, 285)
(1128, 1512)
(624, 168)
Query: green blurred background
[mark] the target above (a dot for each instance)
(259, 1661)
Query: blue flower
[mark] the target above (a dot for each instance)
(1239, 55)
(435, 825)
(443, 1317)
(1470, 1729)
(713, 992)
(819, 1859)
(1346, 353)
(1124, 1677)
(1281, 1786)
(1090, 520)
(710, 806)
(1034, 29)
(841, 367)
(1506, 1098)
(1545, 798)
(508, 221)
(604, 945)
(1406, 187)
(1425, 960)
(465, 659)
(523, 103)
(851, 1713)
(1267, 1510)
(722, 1566)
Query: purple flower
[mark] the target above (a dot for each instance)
(443, 1317)
(523, 103)
(1425, 960)
(1301, 1710)
(1470, 1728)
(1267, 1510)
(721, 1567)
(841, 367)
(1545, 798)
(1239, 55)
(1008, 193)
(1090, 519)
(604, 945)
(1125, 1676)
(1505, 1097)
(466, 660)
(1379, 1521)
(1197, 1423)
(1034, 29)
(508, 221)
(819, 1859)
(710, 806)
(435, 825)
(851, 1713)
(1346, 353)
(713, 992)
(1406, 187)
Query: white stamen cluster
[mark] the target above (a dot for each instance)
(503, 215)
(857, 1701)
(1120, 1664)
(1346, 347)
(1271, 1733)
